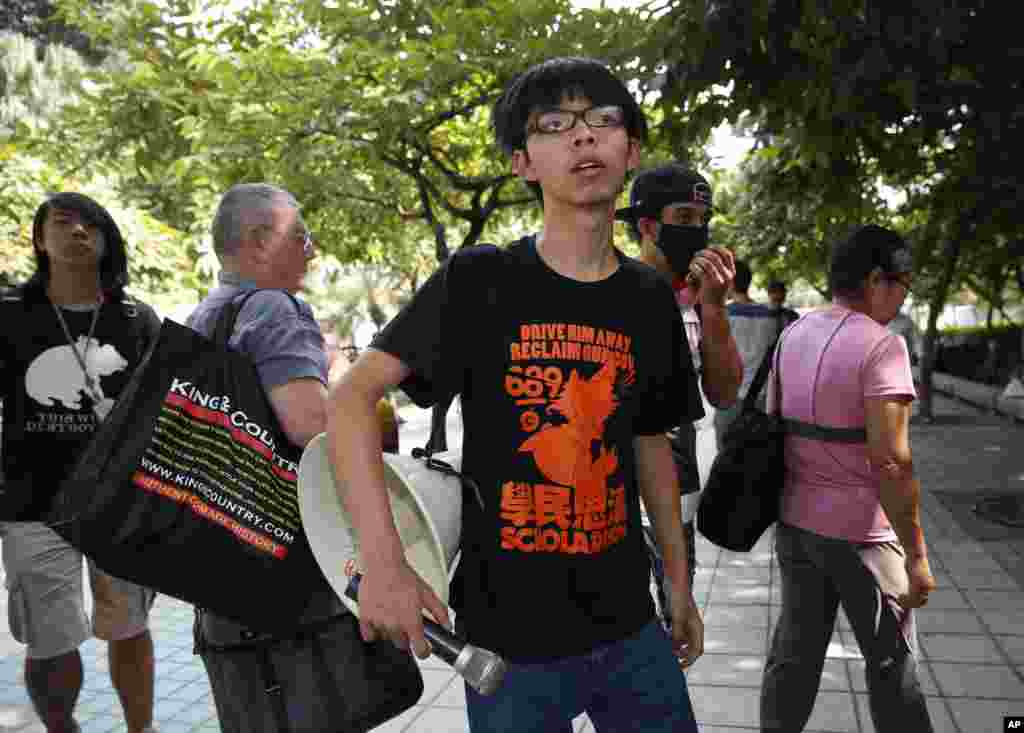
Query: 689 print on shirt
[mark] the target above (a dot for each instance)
(566, 381)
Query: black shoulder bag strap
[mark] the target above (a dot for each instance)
(225, 326)
(763, 369)
(145, 326)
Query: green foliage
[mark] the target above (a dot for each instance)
(375, 116)
(37, 87)
(996, 330)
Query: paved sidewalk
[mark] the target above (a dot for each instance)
(972, 632)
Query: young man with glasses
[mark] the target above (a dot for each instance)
(572, 365)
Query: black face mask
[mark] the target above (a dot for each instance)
(680, 244)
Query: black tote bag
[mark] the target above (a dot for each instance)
(189, 486)
(741, 497)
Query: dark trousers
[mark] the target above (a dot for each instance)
(818, 573)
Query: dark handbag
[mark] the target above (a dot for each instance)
(741, 497)
(323, 678)
(189, 486)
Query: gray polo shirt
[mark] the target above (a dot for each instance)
(282, 341)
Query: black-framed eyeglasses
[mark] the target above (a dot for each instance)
(554, 121)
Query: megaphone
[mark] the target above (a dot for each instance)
(427, 507)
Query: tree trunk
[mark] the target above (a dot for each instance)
(951, 257)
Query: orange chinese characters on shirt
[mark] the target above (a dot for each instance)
(576, 510)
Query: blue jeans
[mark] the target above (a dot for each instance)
(632, 685)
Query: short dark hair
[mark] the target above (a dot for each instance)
(545, 84)
(776, 285)
(866, 248)
(113, 265)
(741, 283)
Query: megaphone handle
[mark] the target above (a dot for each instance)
(444, 643)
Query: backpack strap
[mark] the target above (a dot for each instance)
(465, 270)
(144, 322)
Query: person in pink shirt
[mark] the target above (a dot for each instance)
(849, 529)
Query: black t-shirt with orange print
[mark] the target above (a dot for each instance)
(557, 377)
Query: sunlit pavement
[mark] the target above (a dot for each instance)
(972, 631)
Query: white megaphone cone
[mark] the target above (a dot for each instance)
(427, 508)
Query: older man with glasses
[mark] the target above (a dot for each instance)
(263, 244)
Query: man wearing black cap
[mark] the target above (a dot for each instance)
(777, 295)
(670, 207)
(77, 340)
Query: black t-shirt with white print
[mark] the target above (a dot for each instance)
(557, 378)
(48, 415)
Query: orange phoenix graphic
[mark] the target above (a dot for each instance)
(577, 512)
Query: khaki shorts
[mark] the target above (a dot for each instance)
(46, 594)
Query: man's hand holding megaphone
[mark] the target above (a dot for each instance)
(392, 598)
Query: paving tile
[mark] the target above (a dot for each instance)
(843, 645)
(434, 681)
(745, 575)
(994, 600)
(834, 676)
(735, 670)
(452, 696)
(745, 559)
(978, 681)
(960, 648)
(167, 686)
(987, 580)
(842, 622)
(1009, 621)
(924, 676)
(16, 716)
(966, 560)
(177, 726)
(941, 720)
(581, 724)
(725, 614)
(983, 715)
(726, 705)
(400, 723)
(733, 640)
(440, 720)
(167, 708)
(947, 598)
(433, 662)
(947, 621)
(737, 594)
(834, 711)
(1014, 648)
(193, 715)
(100, 724)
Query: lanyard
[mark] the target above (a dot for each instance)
(90, 381)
